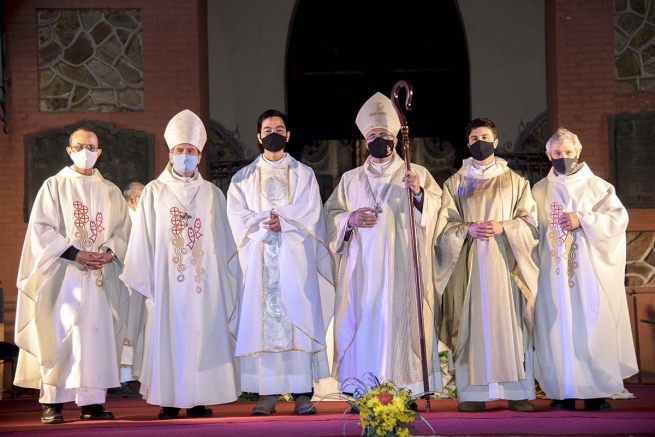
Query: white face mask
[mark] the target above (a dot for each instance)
(84, 158)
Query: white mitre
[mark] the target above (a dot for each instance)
(378, 112)
(185, 128)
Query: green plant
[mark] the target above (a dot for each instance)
(450, 388)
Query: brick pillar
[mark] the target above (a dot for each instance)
(580, 74)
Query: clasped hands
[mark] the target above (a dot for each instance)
(273, 224)
(484, 230)
(93, 260)
(569, 221)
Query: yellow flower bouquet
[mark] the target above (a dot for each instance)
(385, 410)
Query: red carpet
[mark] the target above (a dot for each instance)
(631, 417)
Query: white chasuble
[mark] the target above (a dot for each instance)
(64, 318)
(180, 257)
(583, 340)
(129, 326)
(488, 286)
(287, 298)
(376, 317)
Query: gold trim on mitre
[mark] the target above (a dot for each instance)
(378, 112)
(185, 128)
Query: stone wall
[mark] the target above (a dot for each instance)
(634, 45)
(90, 60)
(640, 269)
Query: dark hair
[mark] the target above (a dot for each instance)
(268, 114)
(84, 128)
(481, 122)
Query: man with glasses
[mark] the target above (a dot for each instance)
(181, 258)
(77, 233)
(368, 228)
(287, 298)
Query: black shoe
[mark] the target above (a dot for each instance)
(563, 404)
(126, 390)
(95, 412)
(199, 411)
(413, 406)
(52, 413)
(169, 413)
(596, 404)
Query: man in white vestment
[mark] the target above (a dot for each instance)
(287, 298)
(181, 258)
(367, 217)
(67, 282)
(487, 276)
(130, 324)
(583, 339)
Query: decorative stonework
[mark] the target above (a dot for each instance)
(329, 159)
(227, 154)
(90, 60)
(436, 155)
(640, 269)
(634, 45)
(527, 155)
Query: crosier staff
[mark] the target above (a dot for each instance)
(410, 197)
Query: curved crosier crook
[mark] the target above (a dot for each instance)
(415, 259)
(408, 100)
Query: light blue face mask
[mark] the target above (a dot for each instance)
(185, 163)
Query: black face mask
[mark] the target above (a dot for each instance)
(565, 165)
(274, 142)
(379, 148)
(481, 150)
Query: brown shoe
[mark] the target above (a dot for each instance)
(471, 406)
(265, 406)
(522, 405)
(304, 406)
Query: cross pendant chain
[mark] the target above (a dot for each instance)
(377, 209)
(186, 216)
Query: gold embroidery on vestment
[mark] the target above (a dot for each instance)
(178, 224)
(566, 240)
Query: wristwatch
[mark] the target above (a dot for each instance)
(113, 256)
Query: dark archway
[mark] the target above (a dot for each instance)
(341, 52)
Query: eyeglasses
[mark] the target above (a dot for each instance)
(383, 135)
(90, 147)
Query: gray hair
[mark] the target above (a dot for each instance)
(133, 190)
(564, 136)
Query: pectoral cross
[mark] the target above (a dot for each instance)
(186, 216)
(377, 209)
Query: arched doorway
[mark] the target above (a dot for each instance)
(340, 53)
